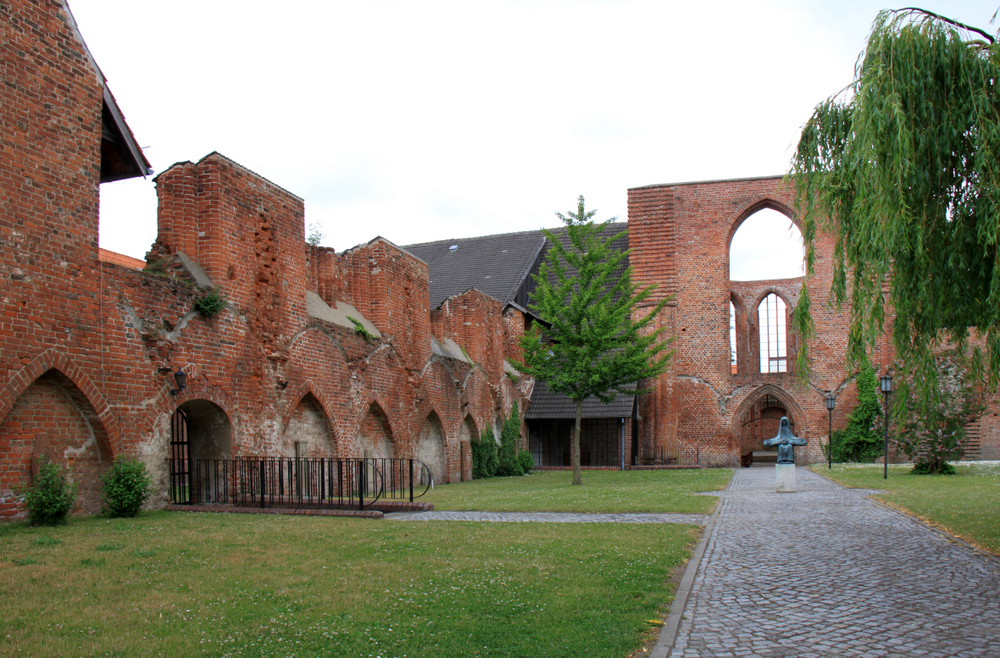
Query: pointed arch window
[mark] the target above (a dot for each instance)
(773, 336)
(732, 338)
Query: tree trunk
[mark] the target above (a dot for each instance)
(577, 477)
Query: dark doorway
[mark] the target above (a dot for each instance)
(200, 432)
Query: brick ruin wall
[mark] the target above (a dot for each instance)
(680, 236)
(89, 348)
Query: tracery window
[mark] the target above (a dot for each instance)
(773, 336)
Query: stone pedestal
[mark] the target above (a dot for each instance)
(784, 477)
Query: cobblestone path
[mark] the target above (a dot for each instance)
(548, 517)
(826, 572)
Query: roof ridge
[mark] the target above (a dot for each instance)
(540, 231)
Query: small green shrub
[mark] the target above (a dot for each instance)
(92, 562)
(23, 561)
(210, 304)
(510, 436)
(127, 486)
(484, 456)
(50, 497)
(527, 461)
(928, 468)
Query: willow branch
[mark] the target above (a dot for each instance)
(944, 19)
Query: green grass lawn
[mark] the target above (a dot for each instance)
(188, 584)
(966, 505)
(601, 491)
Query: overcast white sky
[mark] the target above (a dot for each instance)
(428, 120)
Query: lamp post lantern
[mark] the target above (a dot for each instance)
(830, 402)
(180, 377)
(886, 386)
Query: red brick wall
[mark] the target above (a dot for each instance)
(106, 334)
(471, 320)
(680, 235)
(52, 418)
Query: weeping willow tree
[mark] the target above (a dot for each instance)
(901, 168)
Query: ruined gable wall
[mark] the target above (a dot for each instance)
(474, 321)
(680, 235)
(390, 287)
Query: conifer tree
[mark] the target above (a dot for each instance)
(596, 341)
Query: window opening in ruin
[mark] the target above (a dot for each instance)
(766, 246)
(773, 339)
(732, 338)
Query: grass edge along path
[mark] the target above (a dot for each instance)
(966, 505)
(607, 492)
(184, 584)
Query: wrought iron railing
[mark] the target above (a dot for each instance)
(276, 482)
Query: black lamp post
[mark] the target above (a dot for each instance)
(886, 385)
(830, 402)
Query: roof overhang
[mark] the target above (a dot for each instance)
(121, 156)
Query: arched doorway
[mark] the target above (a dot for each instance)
(200, 439)
(760, 422)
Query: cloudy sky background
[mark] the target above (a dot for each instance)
(421, 121)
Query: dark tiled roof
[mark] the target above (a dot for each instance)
(621, 244)
(546, 404)
(495, 265)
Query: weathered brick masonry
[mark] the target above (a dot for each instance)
(89, 347)
(318, 353)
(680, 236)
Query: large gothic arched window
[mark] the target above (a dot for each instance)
(773, 339)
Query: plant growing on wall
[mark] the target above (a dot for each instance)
(510, 436)
(596, 342)
(484, 455)
(861, 440)
(361, 330)
(315, 235)
(210, 304)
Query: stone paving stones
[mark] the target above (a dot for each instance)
(825, 571)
